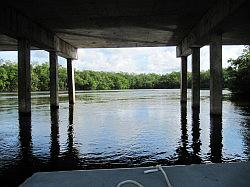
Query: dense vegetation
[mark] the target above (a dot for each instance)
(236, 78)
(91, 80)
(239, 74)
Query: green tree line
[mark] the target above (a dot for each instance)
(92, 80)
(239, 74)
(235, 77)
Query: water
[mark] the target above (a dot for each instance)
(108, 129)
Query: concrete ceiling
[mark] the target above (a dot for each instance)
(127, 23)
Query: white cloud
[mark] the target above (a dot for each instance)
(230, 51)
(139, 60)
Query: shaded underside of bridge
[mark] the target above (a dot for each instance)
(127, 23)
(62, 26)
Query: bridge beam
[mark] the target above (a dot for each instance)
(16, 25)
(209, 24)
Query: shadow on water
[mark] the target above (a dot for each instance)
(70, 158)
(26, 165)
(23, 165)
(66, 155)
(196, 142)
(184, 153)
(216, 139)
(54, 138)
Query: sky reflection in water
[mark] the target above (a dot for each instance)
(107, 129)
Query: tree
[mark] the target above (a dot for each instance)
(238, 79)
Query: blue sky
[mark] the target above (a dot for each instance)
(138, 60)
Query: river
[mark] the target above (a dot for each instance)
(109, 129)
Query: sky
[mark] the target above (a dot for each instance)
(159, 60)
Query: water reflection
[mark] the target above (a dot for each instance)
(54, 137)
(196, 143)
(216, 138)
(26, 165)
(70, 140)
(47, 143)
(182, 152)
(71, 158)
(25, 137)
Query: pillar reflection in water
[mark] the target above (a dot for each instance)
(54, 135)
(25, 137)
(216, 138)
(196, 143)
(71, 156)
(70, 140)
(26, 166)
(182, 152)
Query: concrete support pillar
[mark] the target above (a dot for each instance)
(71, 81)
(196, 78)
(183, 79)
(24, 87)
(54, 99)
(216, 75)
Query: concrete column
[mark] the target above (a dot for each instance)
(196, 78)
(71, 81)
(24, 87)
(216, 75)
(183, 79)
(54, 99)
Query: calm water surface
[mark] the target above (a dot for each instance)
(107, 129)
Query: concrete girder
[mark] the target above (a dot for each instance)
(16, 25)
(209, 23)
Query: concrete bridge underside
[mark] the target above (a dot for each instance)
(62, 26)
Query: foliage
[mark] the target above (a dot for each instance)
(91, 80)
(8, 76)
(239, 73)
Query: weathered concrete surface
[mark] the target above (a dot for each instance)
(130, 23)
(196, 77)
(184, 79)
(210, 175)
(24, 77)
(54, 97)
(216, 75)
(211, 22)
(17, 25)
